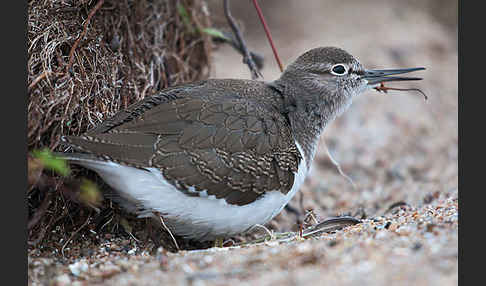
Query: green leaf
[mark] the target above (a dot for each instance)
(185, 17)
(214, 32)
(126, 225)
(51, 162)
(89, 193)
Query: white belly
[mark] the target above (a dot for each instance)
(203, 217)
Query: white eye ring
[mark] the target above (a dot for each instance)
(339, 69)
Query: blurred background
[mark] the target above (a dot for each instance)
(396, 147)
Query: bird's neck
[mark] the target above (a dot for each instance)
(308, 117)
(310, 107)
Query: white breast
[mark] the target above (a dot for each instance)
(203, 217)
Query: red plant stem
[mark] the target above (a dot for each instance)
(385, 89)
(267, 31)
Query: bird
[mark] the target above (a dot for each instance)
(216, 157)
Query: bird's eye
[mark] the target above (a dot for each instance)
(339, 69)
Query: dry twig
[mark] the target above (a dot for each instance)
(336, 163)
(247, 59)
(83, 33)
(168, 230)
(74, 233)
(329, 225)
(385, 89)
(40, 211)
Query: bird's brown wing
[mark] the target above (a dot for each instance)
(231, 147)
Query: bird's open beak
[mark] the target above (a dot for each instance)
(377, 76)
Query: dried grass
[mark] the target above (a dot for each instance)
(130, 50)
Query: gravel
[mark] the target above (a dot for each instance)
(400, 151)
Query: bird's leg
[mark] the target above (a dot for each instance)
(306, 221)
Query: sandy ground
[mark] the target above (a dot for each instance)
(397, 148)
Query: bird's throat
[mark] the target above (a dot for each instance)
(307, 131)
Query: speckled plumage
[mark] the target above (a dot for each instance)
(218, 156)
(227, 137)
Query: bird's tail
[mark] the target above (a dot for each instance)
(102, 168)
(75, 157)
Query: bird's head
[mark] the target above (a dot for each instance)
(330, 77)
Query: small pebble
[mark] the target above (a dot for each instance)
(78, 267)
(63, 280)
